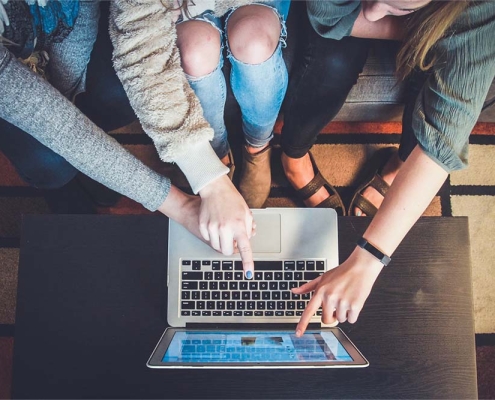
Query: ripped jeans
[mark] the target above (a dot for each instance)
(258, 88)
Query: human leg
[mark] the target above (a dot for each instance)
(255, 35)
(200, 44)
(323, 76)
(44, 169)
(392, 164)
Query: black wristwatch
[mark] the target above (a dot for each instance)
(364, 244)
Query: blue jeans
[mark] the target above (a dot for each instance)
(259, 89)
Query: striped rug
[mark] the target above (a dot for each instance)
(340, 152)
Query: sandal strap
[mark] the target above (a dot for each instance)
(364, 205)
(331, 202)
(379, 185)
(312, 187)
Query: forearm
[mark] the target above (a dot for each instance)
(147, 61)
(389, 27)
(36, 107)
(416, 184)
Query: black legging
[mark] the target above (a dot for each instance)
(322, 77)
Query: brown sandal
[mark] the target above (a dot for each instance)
(333, 201)
(376, 164)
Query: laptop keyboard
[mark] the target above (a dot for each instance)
(218, 288)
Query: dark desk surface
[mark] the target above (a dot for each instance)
(89, 313)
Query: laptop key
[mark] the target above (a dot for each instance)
(203, 285)
(187, 305)
(205, 295)
(300, 265)
(217, 313)
(289, 313)
(278, 276)
(196, 265)
(215, 265)
(289, 265)
(238, 276)
(220, 305)
(210, 305)
(189, 285)
(186, 295)
(185, 313)
(227, 265)
(258, 276)
(192, 275)
(258, 313)
(230, 305)
(196, 295)
(209, 275)
(268, 266)
(248, 313)
(279, 313)
(256, 295)
(320, 265)
(237, 313)
(206, 313)
(286, 295)
(236, 295)
(309, 276)
(227, 313)
(186, 262)
(310, 265)
(265, 295)
(269, 313)
(196, 313)
(215, 295)
(218, 276)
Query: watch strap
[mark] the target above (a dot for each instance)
(364, 244)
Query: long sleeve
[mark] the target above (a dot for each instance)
(451, 99)
(147, 62)
(34, 106)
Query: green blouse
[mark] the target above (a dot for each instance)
(450, 102)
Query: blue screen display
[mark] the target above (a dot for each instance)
(252, 346)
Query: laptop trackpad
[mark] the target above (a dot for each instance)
(267, 238)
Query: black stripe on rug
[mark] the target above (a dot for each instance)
(485, 339)
(472, 190)
(357, 138)
(7, 330)
(445, 202)
(482, 139)
(9, 242)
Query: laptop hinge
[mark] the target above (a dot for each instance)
(257, 326)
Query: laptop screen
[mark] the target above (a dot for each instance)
(255, 346)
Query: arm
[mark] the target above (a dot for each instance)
(389, 27)
(147, 61)
(445, 113)
(346, 288)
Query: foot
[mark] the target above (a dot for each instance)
(299, 172)
(388, 173)
(255, 180)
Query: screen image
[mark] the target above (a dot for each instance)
(252, 346)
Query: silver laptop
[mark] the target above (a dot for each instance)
(220, 319)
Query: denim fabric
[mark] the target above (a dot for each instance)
(37, 164)
(259, 89)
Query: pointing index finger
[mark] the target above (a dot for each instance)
(308, 313)
(244, 247)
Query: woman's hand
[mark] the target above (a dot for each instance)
(226, 221)
(341, 291)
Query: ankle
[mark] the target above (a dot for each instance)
(255, 150)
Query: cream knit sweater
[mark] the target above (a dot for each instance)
(147, 62)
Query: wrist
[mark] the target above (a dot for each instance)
(215, 186)
(370, 262)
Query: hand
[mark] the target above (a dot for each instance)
(184, 209)
(341, 291)
(226, 221)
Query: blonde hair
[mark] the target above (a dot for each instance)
(183, 6)
(424, 28)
